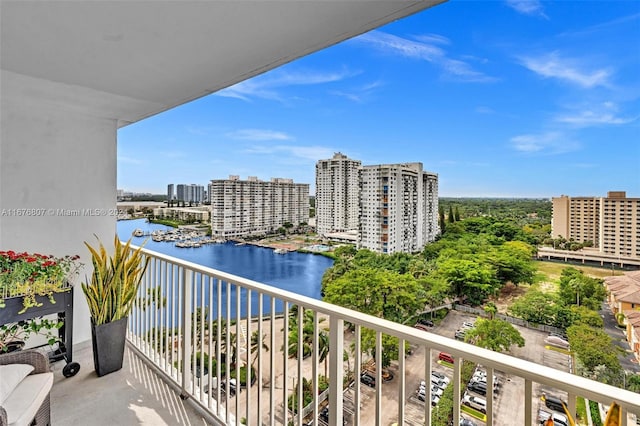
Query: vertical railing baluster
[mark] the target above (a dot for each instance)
(210, 349)
(300, 379)
(219, 284)
(401, 381)
(248, 359)
(490, 381)
(528, 395)
(457, 368)
(357, 369)
(428, 369)
(378, 364)
(314, 365)
(259, 372)
(227, 360)
(238, 346)
(285, 356)
(187, 279)
(201, 328)
(272, 361)
(336, 371)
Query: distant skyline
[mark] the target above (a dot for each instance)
(499, 98)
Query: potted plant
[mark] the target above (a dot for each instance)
(13, 335)
(110, 293)
(32, 276)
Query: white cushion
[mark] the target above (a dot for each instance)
(10, 376)
(25, 400)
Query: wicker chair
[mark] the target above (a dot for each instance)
(40, 363)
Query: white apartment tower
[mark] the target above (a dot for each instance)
(398, 208)
(337, 194)
(254, 207)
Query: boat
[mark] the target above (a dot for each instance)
(280, 251)
(138, 233)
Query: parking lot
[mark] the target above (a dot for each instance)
(510, 395)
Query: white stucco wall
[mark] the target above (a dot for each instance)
(52, 157)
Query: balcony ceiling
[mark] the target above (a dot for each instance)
(129, 60)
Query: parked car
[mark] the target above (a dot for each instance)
(467, 325)
(554, 403)
(426, 322)
(460, 334)
(435, 390)
(467, 422)
(443, 356)
(557, 342)
(478, 387)
(475, 402)
(434, 399)
(368, 380)
(558, 419)
(439, 382)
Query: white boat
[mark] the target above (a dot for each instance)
(138, 233)
(280, 251)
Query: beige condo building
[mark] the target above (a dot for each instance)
(255, 207)
(612, 223)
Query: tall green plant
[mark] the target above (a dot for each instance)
(115, 280)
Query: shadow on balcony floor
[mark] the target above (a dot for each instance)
(134, 395)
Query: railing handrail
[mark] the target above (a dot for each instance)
(571, 383)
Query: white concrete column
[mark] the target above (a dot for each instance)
(57, 179)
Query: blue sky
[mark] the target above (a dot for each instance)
(500, 98)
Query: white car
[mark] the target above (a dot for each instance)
(475, 402)
(435, 390)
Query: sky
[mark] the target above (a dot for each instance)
(499, 98)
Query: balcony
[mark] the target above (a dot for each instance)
(186, 314)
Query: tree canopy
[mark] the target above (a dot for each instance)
(495, 334)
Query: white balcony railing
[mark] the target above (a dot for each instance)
(190, 320)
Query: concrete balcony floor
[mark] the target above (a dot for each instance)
(135, 395)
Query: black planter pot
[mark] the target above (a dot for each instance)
(108, 346)
(14, 346)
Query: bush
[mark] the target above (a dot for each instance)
(595, 413)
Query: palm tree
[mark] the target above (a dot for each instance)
(257, 344)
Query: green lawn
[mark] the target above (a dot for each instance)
(553, 269)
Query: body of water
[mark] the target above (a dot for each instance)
(296, 272)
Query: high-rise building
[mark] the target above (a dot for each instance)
(398, 208)
(170, 192)
(337, 194)
(255, 207)
(191, 194)
(611, 223)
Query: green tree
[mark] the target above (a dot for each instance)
(576, 288)
(513, 262)
(377, 292)
(633, 383)
(452, 218)
(593, 347)
(542, 308)
(468, 278)
(495, 334)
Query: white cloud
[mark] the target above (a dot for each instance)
(603, 114)
(358, 94)
(544, 143)
(424, 48)
(264, 86)
(592, 118)
(259, 135)
(307, 153)
(554, 66)
(527, 7)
